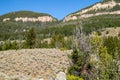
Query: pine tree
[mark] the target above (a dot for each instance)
(31, 38)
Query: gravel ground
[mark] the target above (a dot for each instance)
(27, 64)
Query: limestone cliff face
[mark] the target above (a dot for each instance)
(95, 10)
(39, 19)
(32, 19)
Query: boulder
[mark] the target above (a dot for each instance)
(61, 76)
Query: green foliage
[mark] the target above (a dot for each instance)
(31, 38)
(24, 45)
(72, 77)
(99, 22)
(57, 41)
(0, 47)
(60, 41)
(96, 64)
(7, 45)
(14, 45)
(16, 30)
(113, 46)
(104, 63)
(68, 43)
(78, 59)
(65, 30)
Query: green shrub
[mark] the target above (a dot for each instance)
(113, 46)
(0, 47)
(72, 77)
(7, 45)
(14, 45)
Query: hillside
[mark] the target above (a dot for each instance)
(100, 15)
(100, 8)
(85, 45)
(27, 16)
(33, 63)
(96, 17)
(14, 25)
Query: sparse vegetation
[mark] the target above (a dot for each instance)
(94, 57)
(71, 77)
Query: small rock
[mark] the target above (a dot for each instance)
(51, 78)
(61, 76)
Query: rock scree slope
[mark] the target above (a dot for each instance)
(33, 64)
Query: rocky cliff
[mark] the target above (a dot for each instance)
(101, 8)
(27, 16)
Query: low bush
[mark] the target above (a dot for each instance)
(72, 77)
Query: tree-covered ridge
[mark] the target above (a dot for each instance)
(97, 23)
(13, 15)
(99, 8)
(15, 30)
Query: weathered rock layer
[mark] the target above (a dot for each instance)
(92, 11)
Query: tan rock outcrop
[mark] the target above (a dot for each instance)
(32, 19)
(38, 19)
(6, 19)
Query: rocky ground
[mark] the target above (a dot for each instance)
(34, 64)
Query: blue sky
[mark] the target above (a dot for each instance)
(57, 8)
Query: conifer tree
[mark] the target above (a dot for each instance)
(31, 38)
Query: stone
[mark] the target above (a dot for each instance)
(61, 76)
(51, 78)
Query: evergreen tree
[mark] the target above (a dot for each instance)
(91, 59)
(31, 38)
